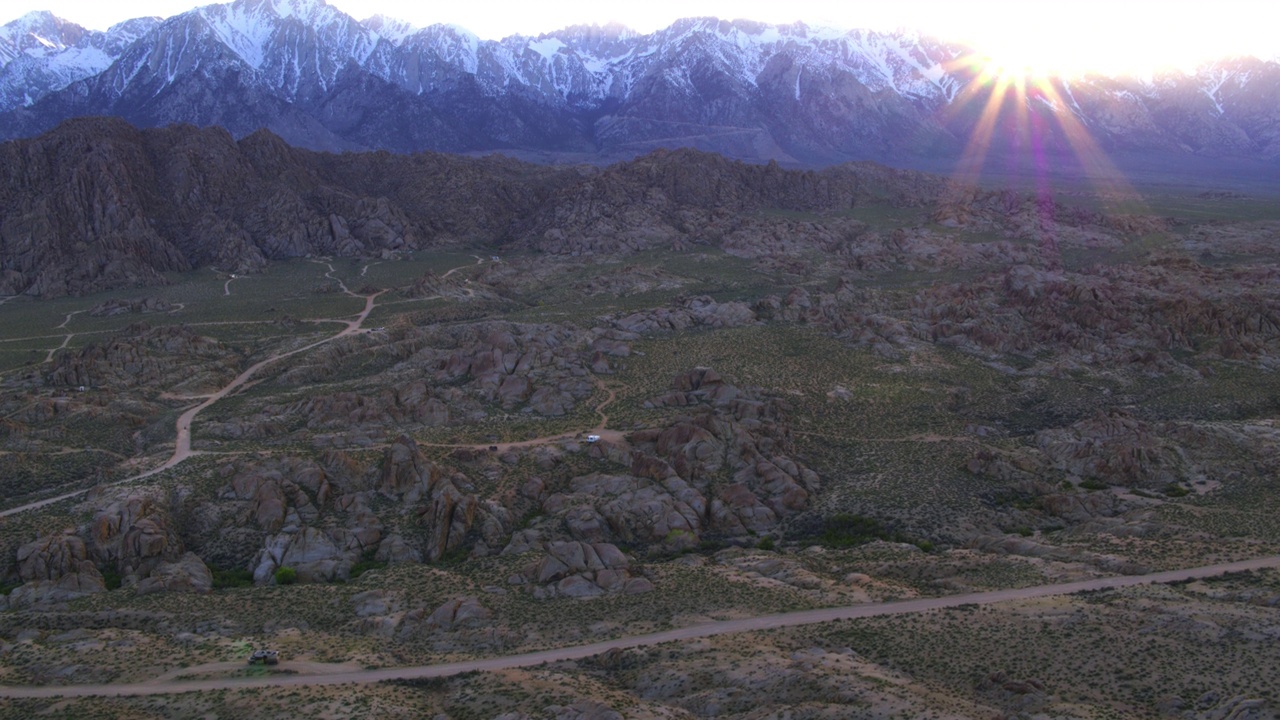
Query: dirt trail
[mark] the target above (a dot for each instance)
(67, 319)
(479, 261)
(182, 445)
(311, 673)
(49, 358)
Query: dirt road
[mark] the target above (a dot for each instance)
(320, 676)
(182, 445)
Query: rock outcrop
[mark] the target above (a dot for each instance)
(578, 569)
(55, 568)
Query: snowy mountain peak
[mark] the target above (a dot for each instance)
(284, 36)
(388, 28)
(37, 34)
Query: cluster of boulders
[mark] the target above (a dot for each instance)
(723, 467)
(166, 357)
(580, 569)
(444, 375)
(698, 311)
(1116, 316)
(676, 493)
(113, 307)
(132, 535)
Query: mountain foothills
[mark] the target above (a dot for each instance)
(321, 79)
(98, 204)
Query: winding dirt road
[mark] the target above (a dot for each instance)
(182, 445)
(315, 674)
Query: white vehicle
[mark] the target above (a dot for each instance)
(593, 438)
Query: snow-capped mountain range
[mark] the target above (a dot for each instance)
(322, 79)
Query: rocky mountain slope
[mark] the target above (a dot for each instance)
(99, 204)
(321, 79)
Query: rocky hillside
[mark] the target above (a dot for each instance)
(97, 203)
(321, 79)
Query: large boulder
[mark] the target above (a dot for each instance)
(187, 574)
(464, 612)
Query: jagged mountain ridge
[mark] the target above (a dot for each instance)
(97, 203)
(321, 79)
(41, 53)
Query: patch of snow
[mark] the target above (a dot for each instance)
(1215, 82)
(546, 47)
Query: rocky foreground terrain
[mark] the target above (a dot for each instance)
(379, 411)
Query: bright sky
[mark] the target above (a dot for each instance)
(1134, 36)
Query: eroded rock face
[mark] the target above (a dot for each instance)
(55, 568)
(54, 556)
(446, 512)
(316, 556)
(452, 374)
(144, 203)
(135, 533)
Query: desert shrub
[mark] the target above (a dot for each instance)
(286, 575)
(111, 578)
(766, 543)
(232, 578)
(365, 564)
(845, 530)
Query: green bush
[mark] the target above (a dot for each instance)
(111, 578)
(1094, 484)
(1173, 490)
(365, 565)
(286, 575)
(766, 543)
(232, 578)
(845, 530)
